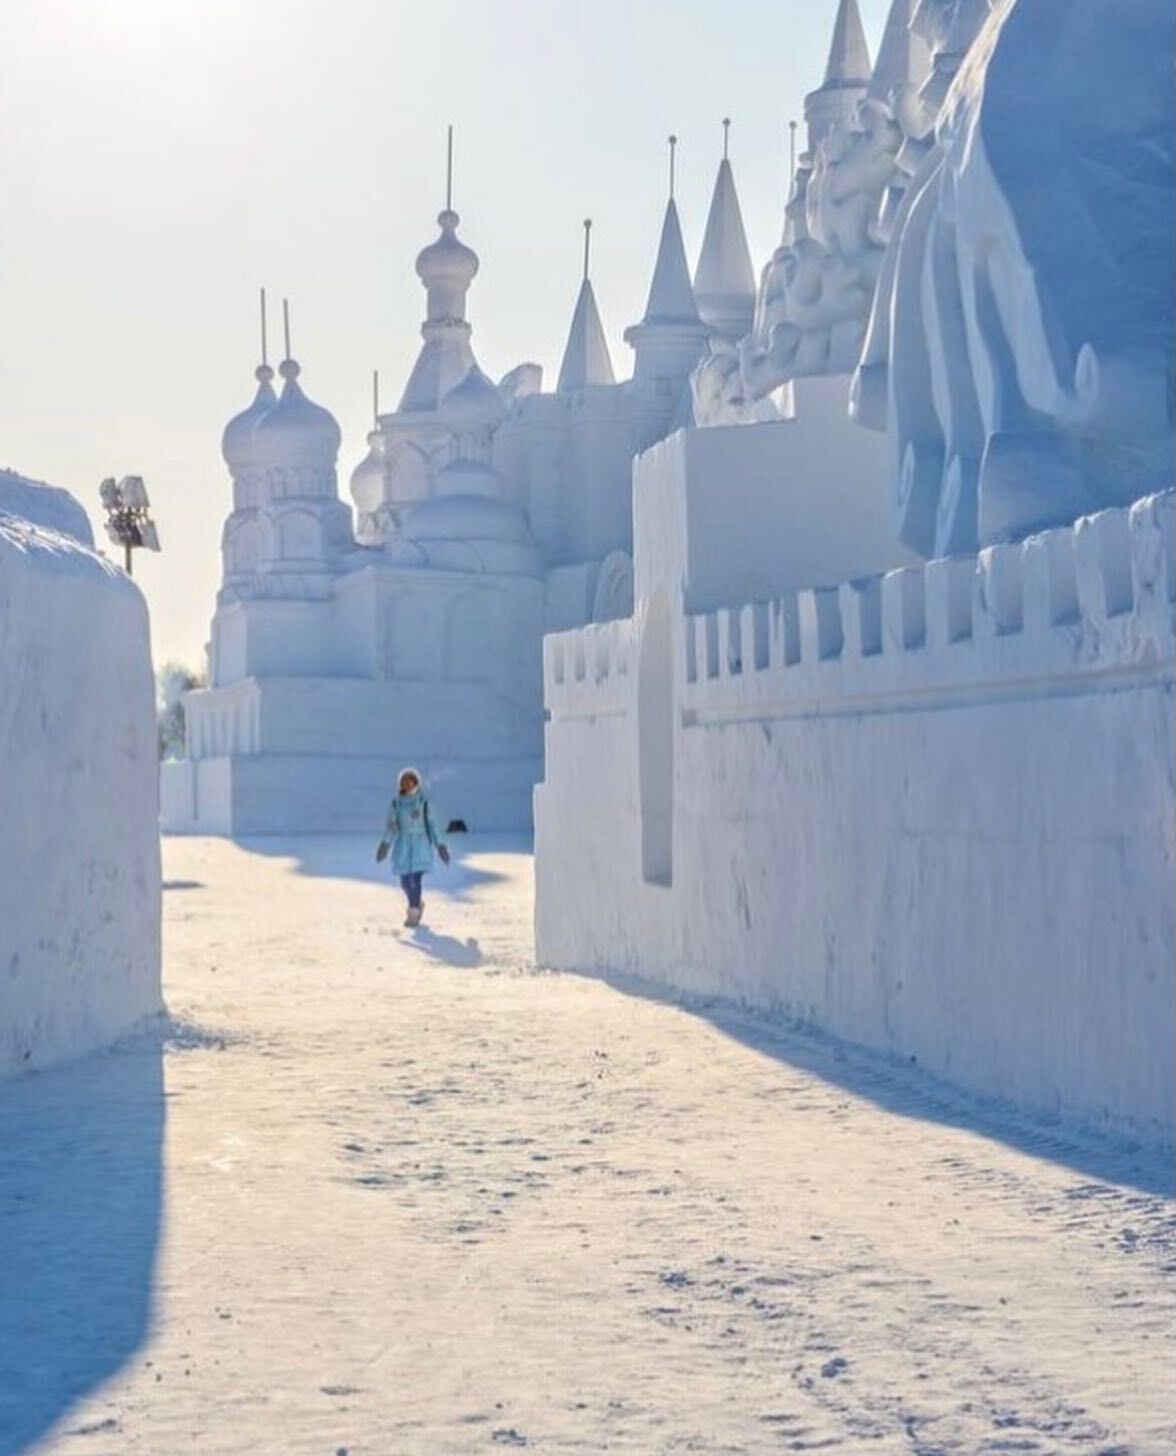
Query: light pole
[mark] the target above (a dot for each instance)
(128, 518)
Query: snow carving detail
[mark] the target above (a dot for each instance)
(1019, 352)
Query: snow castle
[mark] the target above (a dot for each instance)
(890, 752)
(485, 515)
(839, 638)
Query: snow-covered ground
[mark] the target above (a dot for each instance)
(393, 1193)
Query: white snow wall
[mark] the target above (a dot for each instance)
(79, 862)
(931, 812)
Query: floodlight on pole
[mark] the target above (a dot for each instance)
(128, 516)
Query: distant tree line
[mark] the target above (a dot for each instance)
(172, 681)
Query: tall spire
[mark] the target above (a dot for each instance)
(446, 268)
(586, 359)
(849, 55)
(671, 294)
(724, 281)
(670, 338)
(847, 75)
(903, 59)
(237, 440)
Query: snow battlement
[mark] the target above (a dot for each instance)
(1093, 598)
(589, 669)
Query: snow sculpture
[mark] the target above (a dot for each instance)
(80, 888)
(817, 290)
(1019, 353)
(44, 505)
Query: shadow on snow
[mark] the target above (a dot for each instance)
(466, 954)
(902, 1087)
(80, 1204)
(350, 857)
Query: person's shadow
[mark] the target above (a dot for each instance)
(80, 1201)
(465, 954)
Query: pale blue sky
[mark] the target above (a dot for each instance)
(159, 159)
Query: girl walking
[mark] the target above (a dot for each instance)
(412, 838)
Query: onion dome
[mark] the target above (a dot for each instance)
(447, 268)
(237, 445)
(367, 479)
(296, 430)
(476, 399)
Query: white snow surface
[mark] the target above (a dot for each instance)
(79, 871)
(45, 505)
(418, 1197)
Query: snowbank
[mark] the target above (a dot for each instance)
(79, 870)
(45, 505)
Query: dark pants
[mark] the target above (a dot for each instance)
(411, 885)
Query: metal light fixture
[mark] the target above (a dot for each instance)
(128, 519)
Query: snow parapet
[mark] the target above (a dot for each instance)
(80, 888)
(930, 811)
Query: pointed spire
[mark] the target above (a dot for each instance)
(237, 439)
(849, 55)
(263, 373)
(724, 281)
(671, 337)
(903, 59)
(586, 358)
(671, 295)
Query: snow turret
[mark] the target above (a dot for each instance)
(586, 358)
(670, 339)
(724, 281)
(847, 75)
(446, 268)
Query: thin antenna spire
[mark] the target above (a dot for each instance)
(286, 324)
(587, 244)
(449, 171)
(673, 152)
(376, 395)
(726, 136)
(791, 154)
(264, 332)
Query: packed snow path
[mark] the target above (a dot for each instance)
(414, 1197)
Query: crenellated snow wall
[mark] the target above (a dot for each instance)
(932, 812)
(79, 868)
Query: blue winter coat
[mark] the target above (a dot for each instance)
(411, 833)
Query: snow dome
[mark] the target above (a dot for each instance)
(237, 442)
(368, 477)
(475, 399)
(296, 429)
(447, 268)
